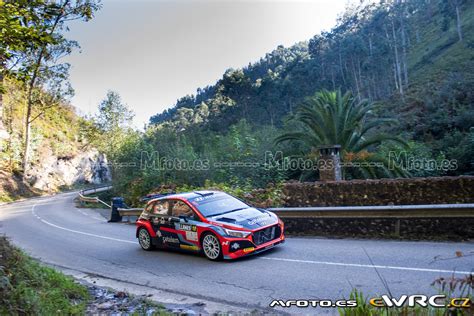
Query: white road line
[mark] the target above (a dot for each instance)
(78, 232)
(271, 258)
(367, 266)
(90, 215)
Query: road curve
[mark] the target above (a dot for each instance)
(53, 230)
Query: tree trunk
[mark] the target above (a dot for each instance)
(342, 68)
(333, 78)
(397, 61)
(354, 73)
(31, 86)
(404, 49)
(458, 20)
(29, 106)
(3, 132)
(395, 77)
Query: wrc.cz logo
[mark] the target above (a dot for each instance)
(420, 300)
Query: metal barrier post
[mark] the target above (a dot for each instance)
(117, 202)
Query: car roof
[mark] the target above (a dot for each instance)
(187, 195)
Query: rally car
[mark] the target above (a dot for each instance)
(216, 223)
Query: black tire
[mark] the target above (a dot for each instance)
(211, 247)
(144, 239)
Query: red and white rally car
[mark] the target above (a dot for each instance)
(216, 223)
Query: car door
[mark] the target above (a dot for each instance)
(164, 224)
(186, 225)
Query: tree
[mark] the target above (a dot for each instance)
(114, 122)
(331, 118)
(37, 62)
(17, 35)
(457, 8)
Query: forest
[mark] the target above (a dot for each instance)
(390, 79)
(410, 62)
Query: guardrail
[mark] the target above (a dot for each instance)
(385, 211)
(94, 199)
(130, 211)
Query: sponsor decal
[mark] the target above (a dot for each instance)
(225, 243)
(158, 233)
(261, 220)
(249, 249)
(235, 246)
(188, 227)
(203, 198)
(189, 247)
(192, 236)
(172, 240)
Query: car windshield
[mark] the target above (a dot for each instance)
(217, 203)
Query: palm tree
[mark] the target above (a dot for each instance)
(330, 118)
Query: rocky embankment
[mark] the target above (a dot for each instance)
(53, 172)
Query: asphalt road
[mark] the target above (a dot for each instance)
(53, 230)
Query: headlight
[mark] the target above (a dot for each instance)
(236, 233)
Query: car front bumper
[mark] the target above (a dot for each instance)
(246, 248)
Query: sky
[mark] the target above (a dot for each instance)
(152, 52)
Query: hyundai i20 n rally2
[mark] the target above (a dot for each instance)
(216, 223)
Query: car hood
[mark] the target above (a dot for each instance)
(249, 218)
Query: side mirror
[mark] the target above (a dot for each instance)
(184, 217)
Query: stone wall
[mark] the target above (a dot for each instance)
(412, 191)
(386, 228)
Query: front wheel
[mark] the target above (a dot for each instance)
(212, 247)
(144, 239)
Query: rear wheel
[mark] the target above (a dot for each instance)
(211, 247)
(144, 239)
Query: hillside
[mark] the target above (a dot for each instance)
(407, 56)
(358, 55)
(61, 155)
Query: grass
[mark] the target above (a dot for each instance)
(29, 288)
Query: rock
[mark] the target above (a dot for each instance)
(106, 305)
(53, 172)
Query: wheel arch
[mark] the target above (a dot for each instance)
(147, 226)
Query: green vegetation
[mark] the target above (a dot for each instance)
(332, 118)
(57, 132)
(28, 288)
(37, 122)
(404, 62)
(33, 42)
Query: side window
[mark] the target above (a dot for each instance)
(160, 208)
(181, 209)
(149, 207)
